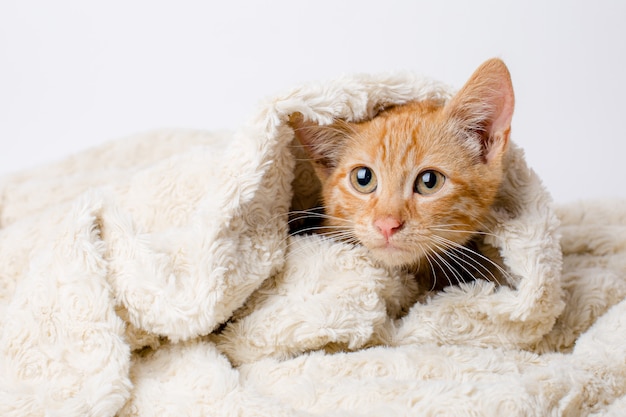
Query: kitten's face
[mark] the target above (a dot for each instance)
(418, 178)
(406, 185)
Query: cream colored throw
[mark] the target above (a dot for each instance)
(154, 276)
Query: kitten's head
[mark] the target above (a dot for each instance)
(418, 177)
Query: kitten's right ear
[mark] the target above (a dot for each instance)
(322, 143)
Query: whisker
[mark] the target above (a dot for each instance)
(434, 274)
(457, 247)
(476, 266)
(313, 212)
(337, 233)
(303, 214)
(469, 232)
(343, 237)
(437, 260)
(340, 232)
(449, 228)
(458, 276)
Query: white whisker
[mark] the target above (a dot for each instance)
(455, 247)
(476, 266)
(437, 260)
(452, 227)
(457, 275)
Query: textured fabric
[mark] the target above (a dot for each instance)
(155, 275)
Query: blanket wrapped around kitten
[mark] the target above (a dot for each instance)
(428, 225)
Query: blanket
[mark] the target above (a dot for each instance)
(157, 276)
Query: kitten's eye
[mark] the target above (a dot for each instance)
(429, 182)
(363, 180)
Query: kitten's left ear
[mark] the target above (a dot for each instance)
(484, 106)
(323, 144)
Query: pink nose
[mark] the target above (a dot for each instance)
(388, 226)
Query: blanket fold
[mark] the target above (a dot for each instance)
(156, 275)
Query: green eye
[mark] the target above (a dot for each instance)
(363, 180)
(429, 182)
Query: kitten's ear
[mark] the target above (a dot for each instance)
(484, 106)
(322, 143)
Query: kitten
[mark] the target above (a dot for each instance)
(415, 183)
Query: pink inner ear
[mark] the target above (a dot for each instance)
(504, 113)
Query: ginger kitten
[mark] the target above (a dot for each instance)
(415, 183)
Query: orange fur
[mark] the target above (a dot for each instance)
(464, 139)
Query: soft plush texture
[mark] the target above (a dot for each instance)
(155, 275)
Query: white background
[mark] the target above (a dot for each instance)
(74, 74)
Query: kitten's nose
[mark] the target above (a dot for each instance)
(388, 226)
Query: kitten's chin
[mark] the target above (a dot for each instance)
(393, 256)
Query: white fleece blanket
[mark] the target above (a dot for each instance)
(155, 276)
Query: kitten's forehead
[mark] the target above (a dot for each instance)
(400, 136)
